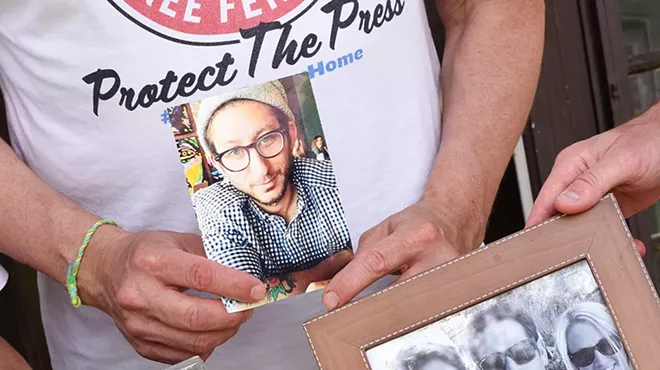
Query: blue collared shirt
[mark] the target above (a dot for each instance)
(239, 234)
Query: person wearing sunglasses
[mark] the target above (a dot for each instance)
(587, 339)
(273, 214)
(504, 337)
(429, 356)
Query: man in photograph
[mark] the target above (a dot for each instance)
(504, 337)
(429, 357)
(272, 214)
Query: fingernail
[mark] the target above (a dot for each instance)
(331, 300)
(258, 292)
(569, 196)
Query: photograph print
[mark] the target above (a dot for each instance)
(557, 322)
(260, 176)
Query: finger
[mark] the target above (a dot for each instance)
(192, 313)
(562, 175)
(149, 330)
(191, 243)
(369, 265)
(437, 257)
(328, 268)
(640, 247)
(590, 186)
(161, 353)
(373, 235)
(185, 270)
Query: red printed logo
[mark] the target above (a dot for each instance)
(207, 22)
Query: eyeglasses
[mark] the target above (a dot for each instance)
(521, 353)
(586, 356)
(267, 145)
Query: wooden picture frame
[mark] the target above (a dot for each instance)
(341, 338)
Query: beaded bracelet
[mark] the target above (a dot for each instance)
(74, 266)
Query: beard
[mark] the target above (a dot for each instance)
(286, 174)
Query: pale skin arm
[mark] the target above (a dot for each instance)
(136, 278)
(490, 71)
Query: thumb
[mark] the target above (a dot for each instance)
(590, 187)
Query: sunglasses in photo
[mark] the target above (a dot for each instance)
(521, 353)
(586, 356)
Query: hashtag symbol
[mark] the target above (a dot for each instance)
(165, 118)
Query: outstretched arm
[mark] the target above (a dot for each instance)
(491, 67)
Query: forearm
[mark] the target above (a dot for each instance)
(11, 359)
(40, 227)
(492, 62)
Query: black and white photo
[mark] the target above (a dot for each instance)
(557, 322)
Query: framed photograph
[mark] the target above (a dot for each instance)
(571, 293)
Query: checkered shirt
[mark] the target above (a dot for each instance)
(239, 234)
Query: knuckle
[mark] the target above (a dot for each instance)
(365, 236)
(428, 232)
(200, 276)
(143, 350)
(631, 160)
(229, 334)
(144, 259)
(134, 326)
(590, 179)
(580, 151)
(376, 263)
(129, 299)
(569, 152)
(196, 318)
(561, 157)
(232, 283)
(202, 343)
(147, 351)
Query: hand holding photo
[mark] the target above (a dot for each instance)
(268, 203)
(556, 296)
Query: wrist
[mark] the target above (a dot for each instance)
(94, 265)
(463, 220)
(461, 191)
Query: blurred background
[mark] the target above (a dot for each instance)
(601, 68)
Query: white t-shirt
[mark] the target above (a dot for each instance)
(116, 158)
